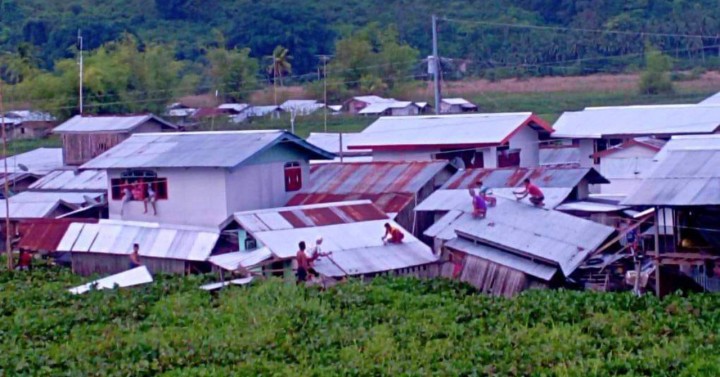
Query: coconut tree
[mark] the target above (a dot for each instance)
(280, 64)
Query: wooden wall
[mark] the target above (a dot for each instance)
(86, 264)
(81, 148)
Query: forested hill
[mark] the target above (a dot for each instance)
(310, 27)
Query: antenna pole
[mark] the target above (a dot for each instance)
(8, 248)
(436, 64)
(80, 63)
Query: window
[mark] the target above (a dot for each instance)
(293, 176)
(22, 130)
(508, 158)
(139, 182)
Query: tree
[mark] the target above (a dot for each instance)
(280, 64)
(656, 79)
(233, 72)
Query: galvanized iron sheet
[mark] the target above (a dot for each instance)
(568, 177)
(107, 123)
(446, 200)
(69, 180)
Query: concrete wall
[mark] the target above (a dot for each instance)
(196, 196)
(527, 141)
(587, 148)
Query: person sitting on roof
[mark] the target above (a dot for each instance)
(135, 257)
(478, 203)
(392, 234)
(24, 261)
(483, 190)
(536, 195)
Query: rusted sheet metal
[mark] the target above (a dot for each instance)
(513, 177)
(390, 185)
(339, 214)
(45, 234)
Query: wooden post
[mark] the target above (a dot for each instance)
(657, 252)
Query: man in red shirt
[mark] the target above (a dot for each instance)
(25, 261)
(392, 234)
(536, 195)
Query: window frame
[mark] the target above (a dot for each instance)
(292, 170)
(159, 184)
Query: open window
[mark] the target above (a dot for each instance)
(139, 183)
(293, 176)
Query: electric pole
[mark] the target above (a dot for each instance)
(436, 64)
(8, 248)
(80, 63)
(274, 79)
(325, 59)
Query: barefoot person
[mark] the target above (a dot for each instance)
(151, 198)
(135, 257)
(483, 190)
(536, 195)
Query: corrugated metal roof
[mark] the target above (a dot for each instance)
(108, 123)
(44, 234)
(32, 205)
(459, 199)
(390, 185)
(690, 143)
(70, 180)
(444, 130)
(592, 207)
(155, 240)
(196, 149)
(539, 233)
(373, 99)
(259, 111)
(369, 260)
(456, 101)
(681, 178)
(237, 107)
(597, 122)
(29, 116)
(379, 108)
(559, 156)
(489, 253)
(129, 278)
(331, 143)
(544, 176)
(352, 231)
(39, 161)
(712, 100)
(241, 259)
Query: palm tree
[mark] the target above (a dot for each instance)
(280, 63)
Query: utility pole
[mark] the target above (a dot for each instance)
(436, 64)
(341, 148)
(274, 79)
(8, 248)
(325, 59)
(80, 63)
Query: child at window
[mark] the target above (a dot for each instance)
(151, 198)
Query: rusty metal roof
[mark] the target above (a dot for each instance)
(544, 176)
(389, 185)
(45, 234)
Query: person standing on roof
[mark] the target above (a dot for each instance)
(304, 262)
(392, 234)
(478, 203)
(135, 257)
(537, 197)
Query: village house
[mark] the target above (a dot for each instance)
(516, 247)
(395, 108)
(634, 130)
(469, 140)
(86, 137)
(179, 110)
(352, 231)
(301, 107)
(394, 187)
(683, 193)
(201, 178)
(456, 106)
(356, 104)
(28, 124)
(271, 111)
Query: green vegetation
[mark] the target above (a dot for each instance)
(656, 77)
(388, 327)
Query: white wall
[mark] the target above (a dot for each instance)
(403, 155)
(257, 186)
(527, 141)
(196, 196)
(490, 157)
(586, 150)
(626, 169)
